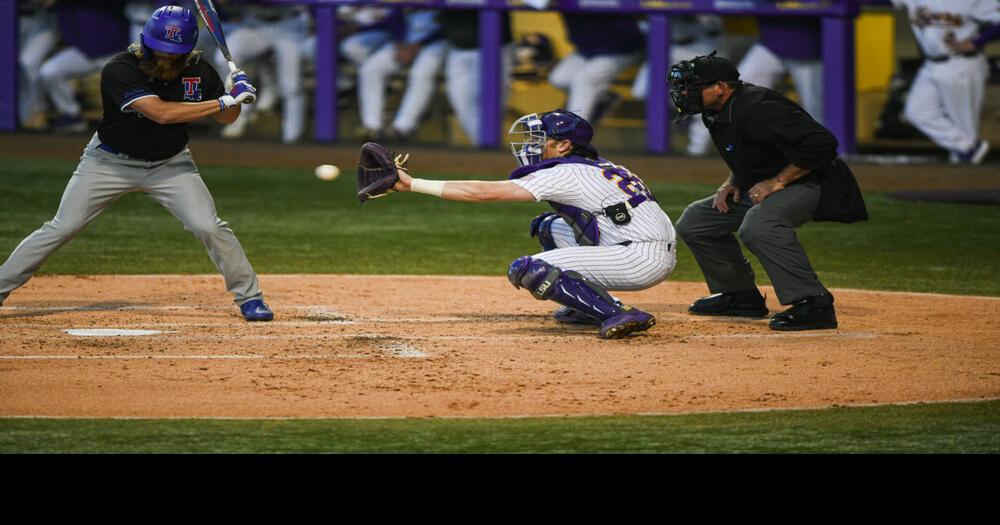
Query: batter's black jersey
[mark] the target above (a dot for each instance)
(122, 83)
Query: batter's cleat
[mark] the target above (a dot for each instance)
(628, 322)
(256, 310)
(811, 313)
(746, 303)
(573, 316)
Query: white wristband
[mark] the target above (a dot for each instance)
(430, 187)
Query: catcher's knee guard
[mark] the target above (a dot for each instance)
(534, 275)
(541, 227)
(567, 288)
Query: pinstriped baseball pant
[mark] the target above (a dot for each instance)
(637, 266)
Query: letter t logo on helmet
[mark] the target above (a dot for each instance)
(170, 29)
(173, 34)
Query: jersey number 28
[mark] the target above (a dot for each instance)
(630, 184)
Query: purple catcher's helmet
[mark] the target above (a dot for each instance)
(170, 29)
(558, 124)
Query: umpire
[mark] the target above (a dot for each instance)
(784, 172)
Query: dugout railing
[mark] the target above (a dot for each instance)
(837, 26)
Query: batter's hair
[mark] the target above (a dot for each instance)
(136, 49)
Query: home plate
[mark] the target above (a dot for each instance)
(110, 332)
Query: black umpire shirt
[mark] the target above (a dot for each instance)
(125, 130)
(759, 132)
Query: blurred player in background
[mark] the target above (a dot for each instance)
(605, 44)
(93, 32)
(420, 50)
(259, 31)
(461, 31)
(368, 29)
(690, 36)
(946, 98)
(788, 45)
(38, 37)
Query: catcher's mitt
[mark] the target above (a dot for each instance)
(377, 171)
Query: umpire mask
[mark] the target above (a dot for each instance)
(689, 77)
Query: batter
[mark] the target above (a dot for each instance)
(607, 232)
(150, 93)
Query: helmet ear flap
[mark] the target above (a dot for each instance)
(147, 53)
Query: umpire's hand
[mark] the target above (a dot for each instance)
(722, 195)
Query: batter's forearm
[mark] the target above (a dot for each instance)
(163, 112)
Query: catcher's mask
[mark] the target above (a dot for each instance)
(688, 77)
(559, 124)
(170, 29)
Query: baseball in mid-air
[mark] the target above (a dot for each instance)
(327, 171)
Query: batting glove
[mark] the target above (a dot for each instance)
(234, 77)
(242, 93)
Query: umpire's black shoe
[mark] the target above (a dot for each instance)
(811, 313)
(746, 303)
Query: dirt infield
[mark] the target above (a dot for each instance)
(383, 346)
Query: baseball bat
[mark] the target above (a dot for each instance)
(211, 18)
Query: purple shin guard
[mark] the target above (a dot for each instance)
(568, 288)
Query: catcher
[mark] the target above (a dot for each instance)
(607, 231)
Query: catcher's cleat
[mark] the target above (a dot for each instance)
(811, 313)
(256, 310)
(573, 316)
(747, 303)
(628, 322)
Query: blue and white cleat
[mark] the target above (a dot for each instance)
(256, 310)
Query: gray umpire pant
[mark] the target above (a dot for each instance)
(100, 179)
(768, 231)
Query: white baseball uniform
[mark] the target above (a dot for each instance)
(691, 36)
(279, 31)
(633, 256)
(421, 28)
(946, 97)
(38, 37)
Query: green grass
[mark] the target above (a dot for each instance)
(930, 428)
(290, 222)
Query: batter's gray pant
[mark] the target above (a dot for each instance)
(102, 177)
(767, 229)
